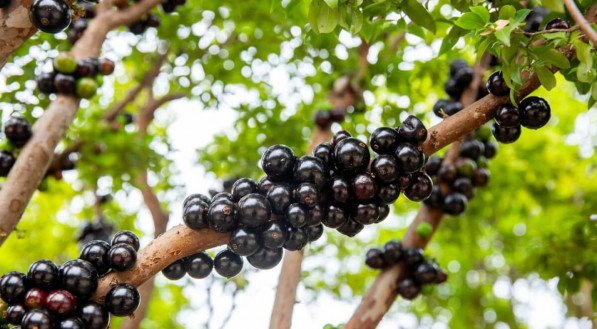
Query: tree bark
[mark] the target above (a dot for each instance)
(15, 28)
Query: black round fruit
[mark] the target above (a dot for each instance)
(43, 274)
(496, 85)
(13, 287)
(384, 211)
(79, 277)
(194, 199)
(94, 316)
(410, 159)
(266, 258)
(385, 168)
(7, 160)
(274, 235)
(557, 23)
(434, 163)
(335, 217)
(472, 149)
(307, 194)
(413, 256)
(37, 318)
(297, 239)
(50, 16)
(45, 83)
(242, 187)
(17, 130)
(309, 169)
(279, 197)
(489, 150)
(244, 242)
(534, 112)
(455, 204)
(366, 213)
(325, 152)
(315, 215)
(278, 162)
(507, 116)
(195, 216)
(176, 270)
(436, 199)
(296, 215)
(341, 135)
(123, 299)
(221, 216)
(412, 130)
(374, 258)
(314, 232)
(122, 257)
(72, 322)
(350, 228)
(464, 185)
(392, 252)
(199, 265)
(253, 210)
(14, 314)
(228, 263)
(408, 288)
(388, 193)
(505, 135)
(64, 84)
(126, 237)
(96, 253)
(384, 140)
(351, 155)
(420, 187)
(363, 187)
(425, 273)
(222, 196)
(340, 190)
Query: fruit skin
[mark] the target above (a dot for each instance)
(496, 85)
(472, 149)
(490, 149)
(199, 265)
(45, 82)
(506, 135)
(37, 319)
(176, 270)
(314, 232)
(264, 185)
(278, 162)
(434, 163)
(322, 119)
(126, 237)
(335, 217)
(242, 187)
(350, 228)
(61, 302)
(534, 112)
(315, 215)
(339, 136)
(507, 116)
(340, 190)
(325, 152)
(446, 107)
(384, 140)
(65, 63)
(123, 300)
(424, 229)
(253, 210)
(309, 169)
(384, 211)
(392, 252)
(274, 235)
(106, 66)
(221, 216)
(228, 263)
(412, 130)
(410, 159)
(222, 196)
(266, 258)
(13, 287)
(94, 316)
(481, 177)
(244, 242)
(122, 257)
(279, 197)
(454, 204)
(35, 298)
(296, 215)
(385, 168)
(195, 215)
(436, 199)
(307, 194)
(351, 155)
(87, 67)
(413, 256)
(425, 273)
(408, 288)
(388, 193)
(14, 314)
(79, 277)
(17, 130)
(557, 23)
(297, 239)
(464, 185)
(43, 274)
(420, 187)
(7, 160)
(374, 259)
(50, 16)
(64, 84)
(366, 213)
(363, 187)
(86, 87)
(72, 322)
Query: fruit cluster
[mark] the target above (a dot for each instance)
(290, 206)
(417, 270)
(51, 296)
(460, 77)
(74, 77)
(533, 112)
(534, 20)
(324, 118)
(456, 182)
(17, 131)
(85, 11)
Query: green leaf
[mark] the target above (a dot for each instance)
(520, 16)
(418, 14)
(555, 57)
(323, 18)
(332, 3)
(451, 39)
(546, 77)
(482, 12)
(554, 5)
(594, 90)
(507, 12)
(470, 21)
(503, 36)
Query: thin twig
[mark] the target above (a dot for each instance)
(580, 20)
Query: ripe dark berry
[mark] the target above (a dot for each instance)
(266, 258)
(322, 119)
(481, 177)
(13, 287)
(126, 237)
(17, 130)
(222, 196)
(94, 316)
(43, 274)
(420, 187)
(507, 116)
(463, 77)
(374, 258)
(87, 67)
(72, 322)
(557, 23)
(351, 155)
(452, 107)
(384, 140)
(392, 252)
(436, 199)
(199, 265)
(307, 194)
(388, 193)
(452, 88)
(50, 16)
(195, 215)
(244, 242)
(366, 213)
(253, 210)
(315, 215)
(410, 159)
(296, 215)
(106, 66)
(64, 84)
(325, 152)
(505, 135)
(122, 257)
(14, 314)
(61, 302)
(447, 173)
(228, 263)
(7, 160)
(335, 217)
(340, 190)
(464, 185)
(489, 150)
(412, 130)
(242, 187)
(297, 239)
(274, 235)
(413, 256)
(138, 27)
(278, 162)
(264, 185)
(425, 273)
(168, 7)
(45, 83)
(534, 112)
(79, 277)
(457, 65)
(441, 276)
(342, 134)
(472, 149)
(153, 20)
(404, 181)
(434, 163)
(35, 298)
(385, 168)
(37, 318)
(535, 18)
(279, 197)
(221, 216)
(122, 300)
(496, 85)
(408, 288)
(176, 270)
(314, 232)
(309, 169)
(384, 211)
(363, 187)
(350, 228)
(455, 204)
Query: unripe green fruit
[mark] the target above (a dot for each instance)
(484, 133)
(86, 87)
(64, 63)
(424, 229)
(466, 167)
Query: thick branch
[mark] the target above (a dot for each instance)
(580, 20)
(15, 28)
(146, 113)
